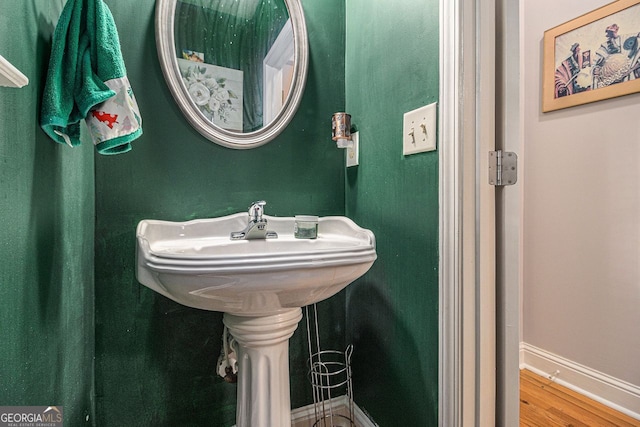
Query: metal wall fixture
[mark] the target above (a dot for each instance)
(341, 129)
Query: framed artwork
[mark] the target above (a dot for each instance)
(216, 91)
(593, 57)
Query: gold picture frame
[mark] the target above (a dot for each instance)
(593, 57)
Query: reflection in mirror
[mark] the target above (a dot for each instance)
(221, 47)
(236, 68)
(278, 72)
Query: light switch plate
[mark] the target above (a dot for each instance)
(353, 152)
(419, 130)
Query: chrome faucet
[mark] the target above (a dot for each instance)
(257, 226)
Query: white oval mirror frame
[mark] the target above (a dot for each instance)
(164, 26)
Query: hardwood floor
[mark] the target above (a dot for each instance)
(544, 403)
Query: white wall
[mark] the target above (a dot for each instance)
(581, 232)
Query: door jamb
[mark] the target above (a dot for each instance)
(467, 214)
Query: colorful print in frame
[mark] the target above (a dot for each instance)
(215, 91)
(593, 57)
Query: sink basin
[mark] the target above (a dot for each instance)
(260, 286)
(195, 263)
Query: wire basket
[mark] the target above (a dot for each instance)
(330, 375)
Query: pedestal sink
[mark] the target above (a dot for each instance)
(260, 286)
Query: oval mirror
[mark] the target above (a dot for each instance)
(237, 69)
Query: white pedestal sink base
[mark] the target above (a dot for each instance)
(196, 264)
(263, 367)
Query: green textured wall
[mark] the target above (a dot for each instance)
(46, 236)
(155, 359)
(392, 312)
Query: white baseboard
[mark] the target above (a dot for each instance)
(305, 416)
(612, 392)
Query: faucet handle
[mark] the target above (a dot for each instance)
(256, 210)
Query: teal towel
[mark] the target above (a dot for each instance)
(87, 80)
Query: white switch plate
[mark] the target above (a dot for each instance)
(353, 152)
(419, 130)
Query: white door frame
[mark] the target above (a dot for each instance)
(467, 366)
(509, 137)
